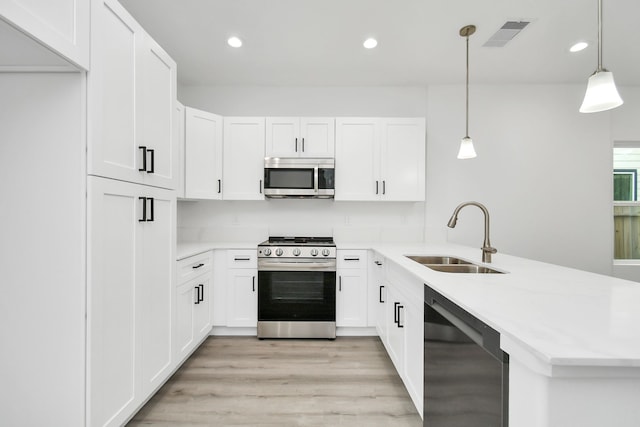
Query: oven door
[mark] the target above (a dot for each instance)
(297, 296)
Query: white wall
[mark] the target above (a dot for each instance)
(543, 170)
(346, 221)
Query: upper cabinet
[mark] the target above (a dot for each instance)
(380, 159)
(131, 102)
(300, 137)
(243, 163)
(60, 25)
(203, 155)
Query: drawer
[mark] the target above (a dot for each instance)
(352, 258)
(242, 258)
(194, 266)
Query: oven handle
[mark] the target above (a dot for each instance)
(296, 266)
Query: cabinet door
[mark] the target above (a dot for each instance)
(414, 351)
(202, 308)
(62, 25)
(184, 329)
(112, 86)
(155, 284)
(203, 155)
(403, 159)
(351, 298)
(155, 109)
(396, 315)
(113, 255)
(317, 137)
(242, 298)
(357, 159)
(282, 137)
(243, 169)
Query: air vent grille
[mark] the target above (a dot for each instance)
(506, 33)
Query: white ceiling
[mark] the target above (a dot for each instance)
(319, 42)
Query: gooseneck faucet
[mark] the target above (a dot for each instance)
(487, 249)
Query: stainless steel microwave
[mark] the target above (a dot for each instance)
(298, 177)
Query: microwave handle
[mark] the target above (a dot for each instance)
(315, 179)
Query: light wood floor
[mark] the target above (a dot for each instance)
(241, 381)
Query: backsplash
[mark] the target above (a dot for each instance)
(225, 221)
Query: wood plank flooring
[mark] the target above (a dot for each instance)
(243, 381)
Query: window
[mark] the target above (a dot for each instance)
(626, 208)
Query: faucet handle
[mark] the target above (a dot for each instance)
(489, 249)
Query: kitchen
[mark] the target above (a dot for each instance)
(543, 170)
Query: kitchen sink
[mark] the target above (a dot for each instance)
(436, 259)
(449, 264)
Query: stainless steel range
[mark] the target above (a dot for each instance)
(297, 288)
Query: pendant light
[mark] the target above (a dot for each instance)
(601, 92)
(466, 145)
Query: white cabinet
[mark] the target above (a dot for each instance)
(131, 273)
(300, 137)
(203, 155)
(180, 139)
(131, 101)
(193, 302)
(242, 288)
(377, 294)
(61, 25)
(243, 162)
(351, 297)
(380, 159)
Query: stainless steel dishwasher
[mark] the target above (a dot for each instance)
(466, 374)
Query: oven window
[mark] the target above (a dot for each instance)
(288, 178)
(296, 295)
(325, 179)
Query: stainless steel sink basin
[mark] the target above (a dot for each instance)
(463, 268)
(450, 264)
(437, 259)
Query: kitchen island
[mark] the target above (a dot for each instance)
(573, 337)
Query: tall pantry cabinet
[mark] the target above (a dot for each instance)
(132, 166)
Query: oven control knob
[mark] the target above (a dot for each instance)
(314, 252)
(279, 252)
(296, 252)
(267, 252)
(325, 252)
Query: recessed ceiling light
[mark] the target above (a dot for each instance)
(370, 43)
(234, 42)
(578, 47)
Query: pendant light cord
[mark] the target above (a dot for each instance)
(467, 93)
(599, 36)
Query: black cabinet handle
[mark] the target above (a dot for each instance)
(219, 186)
(296, 145)
(384, 187)
(303, 145)
(376, 187)
(144, 209)
(399, 317)
(340, 283)
(153, 160)
(151, 205)
(395, 312)
(380, 294)
(378, 263)
(352, 259)
(197, 266)
(241, 259)
(254, 283)
(201, 286)
(260, 187)
(197, 288)
(144, 158)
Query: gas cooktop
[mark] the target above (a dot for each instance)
(298, 241)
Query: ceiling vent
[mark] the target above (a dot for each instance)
(507, 32)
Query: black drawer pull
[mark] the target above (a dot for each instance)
(241, 259)
(352, 259)
(197, 266)
(380, 298)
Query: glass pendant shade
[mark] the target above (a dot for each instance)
(601, 94)
(466, 149)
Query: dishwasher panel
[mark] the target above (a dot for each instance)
(466, 375)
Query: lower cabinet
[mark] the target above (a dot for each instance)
(242, 288)
(193, 303)
(130, 272)
(351, 293)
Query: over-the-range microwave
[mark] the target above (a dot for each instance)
(299, 177)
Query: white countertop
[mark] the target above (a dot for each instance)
(562, 316)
